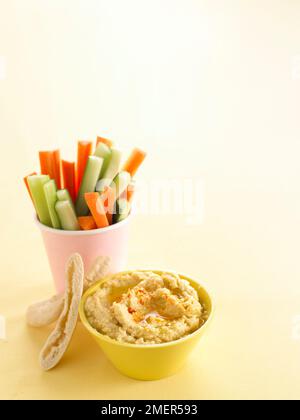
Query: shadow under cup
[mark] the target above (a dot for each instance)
(111, 241)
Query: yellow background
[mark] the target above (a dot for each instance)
(211, 90)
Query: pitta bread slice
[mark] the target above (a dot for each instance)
(44, 313)
(58, 341)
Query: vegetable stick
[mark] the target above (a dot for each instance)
(51, 165)
(87, 223)
(129, 192)
(57, 168)
(36, 185)
(103, 140)
(50, 190)
(111, 171)
(89, 181)
(47, 164)
(96, 207)
(63, 195)
(109, 199)
(103, 152)
(68, 169)
(26, 183)
(122, 210)
(134, 161)
(67, 215)
(121, 182)
(83, 153)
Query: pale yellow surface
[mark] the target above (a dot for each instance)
(211, 90)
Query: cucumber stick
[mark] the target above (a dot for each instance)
(122, 210)
(36, 185)
(111, 171)
(64, 195)
(66, 215)
(104, 152)
(50, 191)
(121, 182)
(89, 182)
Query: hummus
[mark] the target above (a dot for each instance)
(145, 308)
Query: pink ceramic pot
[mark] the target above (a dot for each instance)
(60, 244)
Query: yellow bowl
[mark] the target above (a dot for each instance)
(151, 361)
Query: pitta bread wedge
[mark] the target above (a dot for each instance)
(58, 341)
(44, 313)
(99, 269)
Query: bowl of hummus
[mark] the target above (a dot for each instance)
(147, 322)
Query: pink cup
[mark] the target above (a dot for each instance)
(60, 244)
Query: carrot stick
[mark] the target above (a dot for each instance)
(108, 142)
(26, 183)
(134, 161)
(51, 165)
(96, 207)
(83, 153)
(87, 223)
(57, 168)
(129, 192)
(109, 198)
(68, 169)
(46, 162)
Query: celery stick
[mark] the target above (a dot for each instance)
(36, 185)
(50, 190)
(104, 152)
(122, 210)
(89, 182)
(121, 182)
(64, 195)
(67, 215)
(111, 171)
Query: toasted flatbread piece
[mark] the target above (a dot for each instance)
(44, 313)
(58, 341)
(98, 271)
